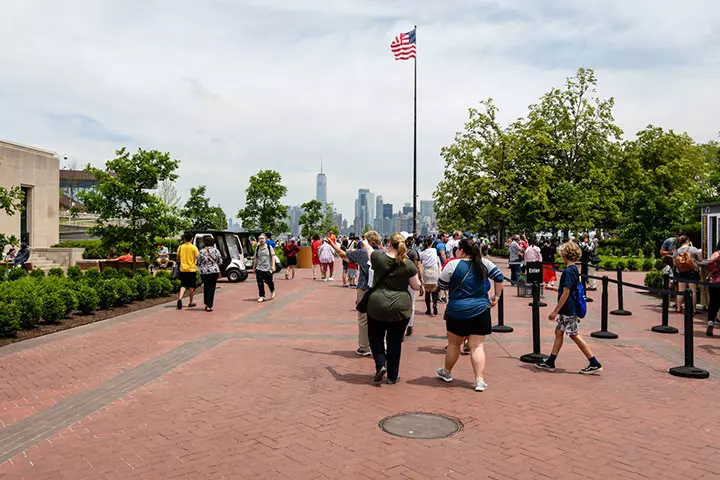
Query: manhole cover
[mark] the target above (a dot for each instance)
(420, 425)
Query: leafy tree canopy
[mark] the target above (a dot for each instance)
(129, 212)
(200, 215)
(263, 208)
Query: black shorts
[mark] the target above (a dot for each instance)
(693, 275)
(188, 279)
(291, 261)
(464, 327)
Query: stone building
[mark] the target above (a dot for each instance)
(37, 172)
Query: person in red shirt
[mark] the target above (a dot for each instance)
(315, 255)
(127, 258)
(291, 250)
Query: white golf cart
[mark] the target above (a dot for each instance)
(233, 266)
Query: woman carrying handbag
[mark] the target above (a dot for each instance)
(208, 262)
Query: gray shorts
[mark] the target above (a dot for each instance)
(569, 325)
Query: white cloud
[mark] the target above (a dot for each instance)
(231, 87)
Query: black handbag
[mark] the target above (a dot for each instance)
(362, 305)
(176, 267)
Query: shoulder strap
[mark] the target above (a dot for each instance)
(463, 280)
(383, 276)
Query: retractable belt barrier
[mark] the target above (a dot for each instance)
(688, 370)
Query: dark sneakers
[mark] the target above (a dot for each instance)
(179, 304)
(591, 369)
(544, 365)
(409, 331)
(379, 375)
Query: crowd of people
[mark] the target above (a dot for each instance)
(451, 269)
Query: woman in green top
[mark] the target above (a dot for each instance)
(390, 305)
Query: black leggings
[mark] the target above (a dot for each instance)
(390, 333)
(714, 305)
(434, 296)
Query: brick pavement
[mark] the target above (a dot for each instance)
(276, 391)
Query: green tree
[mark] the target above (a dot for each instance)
(573, 131)
(312, 219)
(263, 210)
(200, 215)
(328, 223)
(129, 213)
(11, 202)
(478, 187)
(665, 173)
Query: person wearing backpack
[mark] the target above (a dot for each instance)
(686, 259)
(264, 267)
(571, 307)
(713, 271)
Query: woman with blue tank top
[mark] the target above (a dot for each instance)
(466, 278)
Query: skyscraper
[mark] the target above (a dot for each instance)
(363, 209)
(321, 190)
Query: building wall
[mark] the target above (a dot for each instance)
(39, 170)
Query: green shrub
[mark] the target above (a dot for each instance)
(143, 272)
(109, 273)
(659, 265)
(25, 295)
(609, 265)
(71, 300)
(626, 251)
(37, 273)
(654, 279)
(622, 265)
(142, 284)
(9, 319)
(124, 292)
(96, 253)
(166, 286)
(154, 287)
(56, 272)
(88, 299)
(633, 264)
(500, 252)
(53, 307)
(647, 265)
(163, 273)
(74, 272)
(126, 272)
(3, 273)
(107, 293)
(93, 276)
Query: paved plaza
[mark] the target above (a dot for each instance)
(276, 391)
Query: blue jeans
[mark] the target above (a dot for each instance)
(514, 272)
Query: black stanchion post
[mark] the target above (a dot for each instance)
(501, 327)
(620, 310)
(603, 332)
(689, 370)
(536, 356)
(584, 272)
(664, 327)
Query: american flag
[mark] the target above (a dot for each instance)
(403, 47)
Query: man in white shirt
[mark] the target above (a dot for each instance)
(453, 243)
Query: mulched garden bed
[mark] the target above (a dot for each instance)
(78, 319)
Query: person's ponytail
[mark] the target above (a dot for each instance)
(473, 250)
(398, 243)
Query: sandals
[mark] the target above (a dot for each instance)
(191, 305)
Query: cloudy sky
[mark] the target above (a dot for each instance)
(234, 86)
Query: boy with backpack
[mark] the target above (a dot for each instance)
(571, 307)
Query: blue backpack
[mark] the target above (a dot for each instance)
(581, 301)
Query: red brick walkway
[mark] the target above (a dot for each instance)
(276, 391)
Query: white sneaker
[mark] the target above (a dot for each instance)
(326, 280)
(480, 386)
(330, 279)
(261, 299)
(272, 294)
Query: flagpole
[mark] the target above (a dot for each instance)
(415, 232)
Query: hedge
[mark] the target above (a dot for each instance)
(26, 300)
(95, 250)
